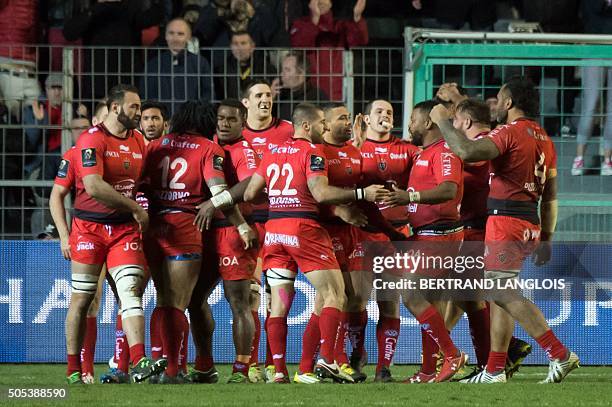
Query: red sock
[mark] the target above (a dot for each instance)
(137, 352)
(311, 340)
(255, 346)
(156, 341)
(269, 360)
(74, 364)
(430, 353)
(89, 345)
(340, 346)
(122, 350)
(496, 362)
(387, 332)
(172, 336)
(480, 327)
(433, 324)
(277, 334)
(329, 320)
(204, 363)
(356, 327)
(552, 346)
(182, 363)
(240, 367)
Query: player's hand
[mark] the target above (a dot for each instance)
(375, 193)
(65, 247)
(360, 6)
(205, 215)
(82, 110)
(38, 109)
(439, 113)
(449, 92)
(359, 134)
(351, 214)
(542, 253)
(315, 12)
(248, 236)
(142, 218)
(397, 197)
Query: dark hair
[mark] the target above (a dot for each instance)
(195, 116)
(425, 106)
(235, 103)
(524, 95)
(241, 32)
(300, 61)
(304, 112)
(246, 89)
(368, 107)
(99, 106)
(329, 106)
(477, 110)
(117, 93)
(460, 89)
(153, 104)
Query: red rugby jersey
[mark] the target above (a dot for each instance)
(389, 160)
(178, 166)
(475, 190)
(286, 170)
(526, 159)
(119, 161)
(436, 164)
(274, 135)
(65, 172)
(241, 161)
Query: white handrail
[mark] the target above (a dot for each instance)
(422, 33)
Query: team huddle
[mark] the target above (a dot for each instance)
(232, 194)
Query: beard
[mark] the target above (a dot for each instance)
(501, 116)
(417, 139)
(129, 124)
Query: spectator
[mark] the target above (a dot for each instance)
(18, 83)
(220, 18)
(480, 15)
(322, 31)
(244, 63)
(597, 16)
(286, 12)
(177, 75)
(292, 88)
(112, 24)
(47, 141)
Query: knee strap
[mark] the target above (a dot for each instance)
(84, 284)
(128, 279)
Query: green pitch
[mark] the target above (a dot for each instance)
(589, 386)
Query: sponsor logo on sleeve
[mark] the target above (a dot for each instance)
(218, 162)
(88, 156)
(317, 163)
(62, 170)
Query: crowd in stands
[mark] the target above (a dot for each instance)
(180, 64)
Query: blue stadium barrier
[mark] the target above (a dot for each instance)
(35, 289)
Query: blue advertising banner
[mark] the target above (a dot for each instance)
(35, 292)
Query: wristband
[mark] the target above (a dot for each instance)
(359, 194)
(243, 228)
(222, 200)
(414, 197)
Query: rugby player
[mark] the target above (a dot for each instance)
(295, 174)
(107, 228)
(523, 164)
(433, 196)
(386, 159)
(184, 168)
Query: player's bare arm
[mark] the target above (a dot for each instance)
(326, 194)
(255, 187)
(58, 213)
(548, 218)
(468, 150)
(351, 214)
(444, 192)
(104, 193)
